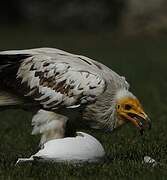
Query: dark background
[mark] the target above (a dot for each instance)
(63, 15)
(130, 37)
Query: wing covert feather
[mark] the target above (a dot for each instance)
(57, 83)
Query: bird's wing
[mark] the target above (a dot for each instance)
(60, 80)
(56, 78)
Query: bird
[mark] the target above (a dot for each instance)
(79, 149)
(67, 92)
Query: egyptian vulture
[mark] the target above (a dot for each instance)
(66, 92)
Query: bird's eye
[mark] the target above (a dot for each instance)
(128, 107)
(118, 106)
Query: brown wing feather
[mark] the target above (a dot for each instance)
(56, 84)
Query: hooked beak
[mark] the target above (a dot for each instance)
(142, 121)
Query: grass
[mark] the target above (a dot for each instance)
(143, 62)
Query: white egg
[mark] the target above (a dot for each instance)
(150, 160)
(82, 148)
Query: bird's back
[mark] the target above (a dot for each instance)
(67, 87)
(19, 69)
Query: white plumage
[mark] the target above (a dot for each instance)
(47, 75)
(79, 149)
(66, 92)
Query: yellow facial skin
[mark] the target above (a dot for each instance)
(130, 109)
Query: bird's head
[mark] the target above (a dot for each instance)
(129, 109)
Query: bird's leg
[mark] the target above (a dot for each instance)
(49, 124)
(70, 129)
(74, 121)
(57, 132)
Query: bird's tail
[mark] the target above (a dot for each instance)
(6, 100)
(9, 63)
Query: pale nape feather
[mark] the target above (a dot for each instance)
(123, 93)
(57, 81)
